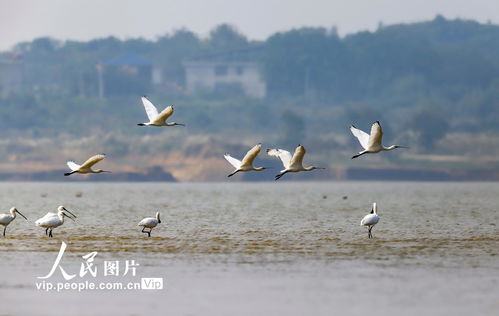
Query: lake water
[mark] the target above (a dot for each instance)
(259, 248)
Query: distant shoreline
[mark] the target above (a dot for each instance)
(157, 174)
(153, 174)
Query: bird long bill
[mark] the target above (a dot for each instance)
(64, 214)
(21, 214)
(65, 210)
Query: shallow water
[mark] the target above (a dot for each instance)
(263, 248)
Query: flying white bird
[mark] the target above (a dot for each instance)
(291, 163)
(149, 222)
(5, 219)
(53, 220)
(156, 119)
(371, 143)
(370, 220)
(86, 167)
(247, 163)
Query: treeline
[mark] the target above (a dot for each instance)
(429, 78)
(442, 71)
(61, 67)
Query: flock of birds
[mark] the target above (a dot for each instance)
(372, 144)
(294, 163)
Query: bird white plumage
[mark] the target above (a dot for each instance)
(6, 219)
(52, 220)
(247, 163)
(291, 163)
(370, 220)
(371, 142)
(155, 118)
(282, 154)
(149, 222)
(54, 214)
(86, 167)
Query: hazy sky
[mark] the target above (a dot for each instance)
(22, 20)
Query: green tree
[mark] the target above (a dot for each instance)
(430, 127)
(225, 37)
(172, 50)
(306, 59)
(292, 129)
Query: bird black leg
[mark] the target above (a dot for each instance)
(148, 233)
(230, 175)
(46, 231)
(353, 157)
(50, 233)
(370, 234)
(277, 177)
(5, 227)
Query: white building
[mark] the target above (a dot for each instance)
(208, 75)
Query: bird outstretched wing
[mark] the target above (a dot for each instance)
(297, 159)
(362, 136)
(73, 166)
(151, 110)
(376, 135)
(165, 114)
(233, 161)
(251, 155)
(92, 161)
(284, 155)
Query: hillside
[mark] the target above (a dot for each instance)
(433, 85)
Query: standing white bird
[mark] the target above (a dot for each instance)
(86, 167)
(371, 143)
(247, 163)
(370, 220)
(54, 214)
(53, 220)
(291, 163)
(5, 219)
(156, 119)
(149, 222)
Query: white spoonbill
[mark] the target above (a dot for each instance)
(370, 220)
(156, 119)
(86, 167)
(5, 219)
(371, 143)
(291, 163)
(54, 214)
(149, 222)
(247, 163)
(53, 220)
